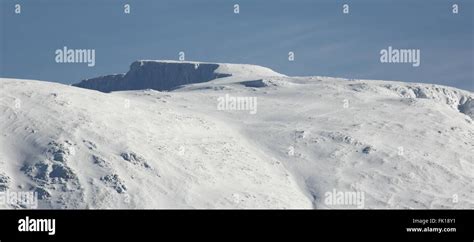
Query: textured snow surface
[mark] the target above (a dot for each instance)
(81, 148)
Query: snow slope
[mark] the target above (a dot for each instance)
(402, 145)
(85, 149)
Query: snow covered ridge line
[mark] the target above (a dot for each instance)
(168, 75)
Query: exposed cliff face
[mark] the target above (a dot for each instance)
(103, 83)
(167, 75)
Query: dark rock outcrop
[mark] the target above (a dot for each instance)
(158, 75)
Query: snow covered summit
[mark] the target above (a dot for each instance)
(167, 75)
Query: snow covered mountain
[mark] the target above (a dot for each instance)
(403, 145)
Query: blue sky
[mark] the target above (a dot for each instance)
(325, 41)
